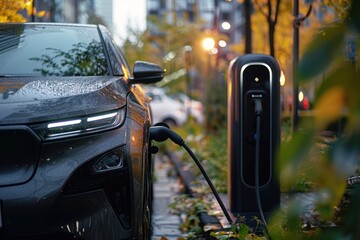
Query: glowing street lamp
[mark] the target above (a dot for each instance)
(214, 51)
(301, 96)
(208, 43)
(282, 79)
(226, 25)
(222, 43)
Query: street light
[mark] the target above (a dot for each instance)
(214, 51)
(282, 79)
(226, 25)
(298, 19)
(208, 44)
(301, 96)
(222, 43)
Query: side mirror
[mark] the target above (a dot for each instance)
(146, 73)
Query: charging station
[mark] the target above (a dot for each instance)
(253, 78)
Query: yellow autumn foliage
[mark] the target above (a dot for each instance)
(9, 10)
(329, 107)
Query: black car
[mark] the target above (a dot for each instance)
(74, 135)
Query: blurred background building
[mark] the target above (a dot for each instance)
(104, 9)
(222, 16)
(57, 11)
(71, 11)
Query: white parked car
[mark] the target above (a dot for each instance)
(193, 107)
(164, 108)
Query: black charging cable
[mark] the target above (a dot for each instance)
(258, 113)
(161, 133)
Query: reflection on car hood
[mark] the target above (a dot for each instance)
(35, 99)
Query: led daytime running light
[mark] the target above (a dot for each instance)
(83, 125)
(101, 117)
(64, 124)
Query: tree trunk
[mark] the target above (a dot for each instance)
(248, 37)
(272, 38)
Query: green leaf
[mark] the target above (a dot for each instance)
(345, 155)
(321, 52)
(294, 212)
(234, 228)
(292, 154)
(342, 76)
(330, 107)
(331, 234)
(244, 230)
(352, 217)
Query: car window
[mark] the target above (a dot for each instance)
(48, 50)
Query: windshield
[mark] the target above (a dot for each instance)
(51, 50)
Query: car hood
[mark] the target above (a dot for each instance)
(37, 99)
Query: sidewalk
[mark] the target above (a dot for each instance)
(165, 225)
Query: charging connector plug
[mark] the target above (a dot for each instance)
(161, 134)
(258, 106)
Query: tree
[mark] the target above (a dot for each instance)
(282, 37)
(84, 59)
(93, 18)
(248, 34)
(9, 10)
(165, 46)
(168, 46)
(271, 14)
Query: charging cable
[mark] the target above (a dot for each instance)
(161, 133)
(258, 113)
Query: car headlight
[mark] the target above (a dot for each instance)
(81, 125)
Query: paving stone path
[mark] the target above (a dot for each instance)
(165, 225)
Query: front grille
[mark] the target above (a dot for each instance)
(80, 183)
(19, 153)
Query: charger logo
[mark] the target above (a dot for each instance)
(257, 96)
